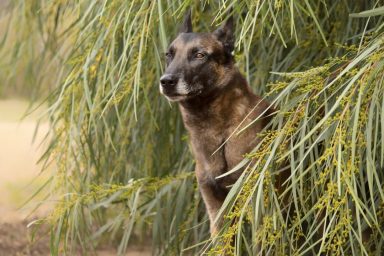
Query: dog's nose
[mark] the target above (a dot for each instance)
(168, 81)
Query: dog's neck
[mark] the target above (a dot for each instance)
(219, 104)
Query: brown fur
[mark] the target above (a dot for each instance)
(218, 99)
(210, 122)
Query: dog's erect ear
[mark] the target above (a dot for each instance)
(225, 34)
(186, 27)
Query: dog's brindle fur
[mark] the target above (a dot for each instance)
(214, 98)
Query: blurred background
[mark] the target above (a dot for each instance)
(20, 150)
(23, 141)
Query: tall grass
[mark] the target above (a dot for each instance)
(123, 167)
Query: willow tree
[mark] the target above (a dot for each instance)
(122, 168)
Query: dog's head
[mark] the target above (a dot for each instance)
(198, 63)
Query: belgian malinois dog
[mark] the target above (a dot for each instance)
(214, 98)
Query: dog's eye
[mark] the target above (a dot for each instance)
(199, 55)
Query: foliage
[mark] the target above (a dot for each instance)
(33, 48)
(122, 163)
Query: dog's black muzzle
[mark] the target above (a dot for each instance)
(168, 83)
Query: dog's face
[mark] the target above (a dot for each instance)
(197, 63)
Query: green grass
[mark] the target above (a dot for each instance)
(123, 165)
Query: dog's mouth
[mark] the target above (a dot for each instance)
(174, 96)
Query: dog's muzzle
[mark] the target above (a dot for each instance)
(168, 82)
(175, 88)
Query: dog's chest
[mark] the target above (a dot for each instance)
(216, 145)
(214, 157)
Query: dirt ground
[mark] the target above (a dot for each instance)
(19, 178)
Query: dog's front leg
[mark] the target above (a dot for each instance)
(213, 204)
(213, 197)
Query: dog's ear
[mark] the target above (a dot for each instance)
(186, 27)
(225, 34)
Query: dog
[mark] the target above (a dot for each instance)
(214, 98)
